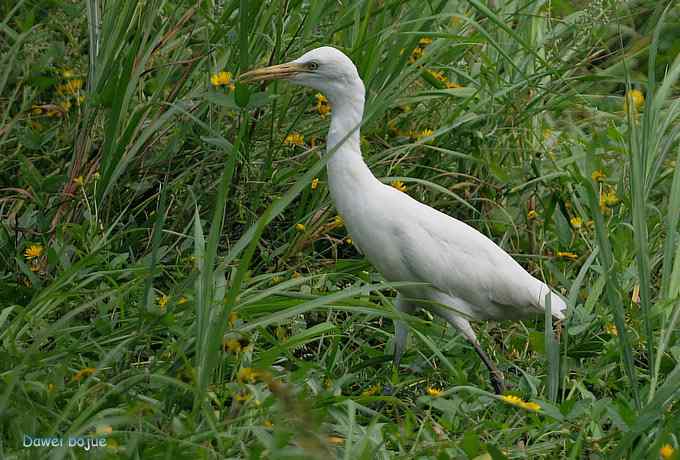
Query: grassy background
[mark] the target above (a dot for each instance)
(174, 306)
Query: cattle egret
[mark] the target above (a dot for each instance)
(463, 275)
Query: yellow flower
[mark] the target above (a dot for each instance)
(434, 392)
(610, 199)
(416, 54)
(83, 373)
(300, 227)
(666, 451)
(51, 387)
(636, 97)
(531, 215)
(567, 255)
(242, 396)
(315, 183)
(611, 329)
(182, 300)
(221, 79)
(65, 104)
(423, 134)
(439, 76)
(232, 345)
(370, 391)
(338, 222)
(247, 374)
(519, 402)
(322, 105)
(399, 185)
(163, 302)
(294, 139)
(232, 318)
(423, 42)
(576, 222)
(598, 175)
(296, 275)
(268, 423)
(348, 240)
(67, 73)
(34, 251)
(532, 406)
(79, 181)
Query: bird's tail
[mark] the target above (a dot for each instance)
(558, 307)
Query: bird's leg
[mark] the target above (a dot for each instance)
(496, 376)
(464, 327)
(401, 329)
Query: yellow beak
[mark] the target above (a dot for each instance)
(275, 72)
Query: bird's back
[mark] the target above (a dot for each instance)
(426, 245)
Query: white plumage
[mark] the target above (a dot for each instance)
(467, 274)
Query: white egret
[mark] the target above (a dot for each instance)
(465, 275)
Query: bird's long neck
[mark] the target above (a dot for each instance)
(347, 172)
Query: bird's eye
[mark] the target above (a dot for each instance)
(313, 65)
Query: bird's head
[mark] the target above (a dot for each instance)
(325, 69)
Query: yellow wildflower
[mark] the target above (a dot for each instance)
(439, 76)
(34, 251)
(567, 255)
(163, 302)
(300, 227)
(84, 373)
(611, 329)
(322, 105)
(519, 402)
(242, 396)
(399, 185)
(296, 275)
(576, 222)
(610, 198)
(434, 392)
(531, 215)
(423, 42)
(221, 79)
(182, 300)
(423, 134)
(338, 222)
(636, 97)
(370, 391)
(67, 73)
(80, 99)
(232, 345)
(315, 183)
(73, 86)
(247, 374)
(65, 104)
(348, 240)
(416, 54)
(51, 387)
(598, 175)
(294, 139)
(532, 406)
(79, 181)
(268, 423)
(666, 452)
(232, 318)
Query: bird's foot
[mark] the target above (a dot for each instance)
(498, 382)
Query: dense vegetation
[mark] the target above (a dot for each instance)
(175, 279)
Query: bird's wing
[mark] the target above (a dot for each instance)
(461, 262)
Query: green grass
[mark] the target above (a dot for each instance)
(178, 311)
